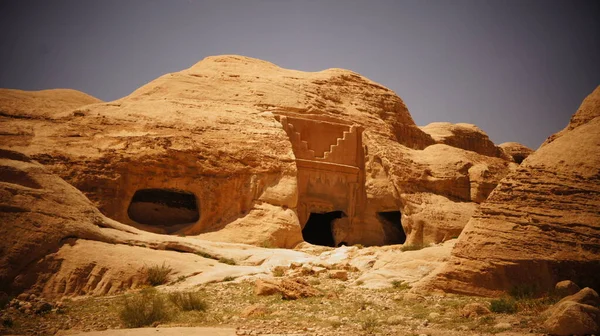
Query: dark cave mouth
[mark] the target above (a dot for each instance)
(391, 222)
(318, 228)
(163, 207)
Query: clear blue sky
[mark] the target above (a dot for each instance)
(516, 68)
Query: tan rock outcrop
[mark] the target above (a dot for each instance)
(465, 136)
(237, 149)
(516, 150)
(541, 224)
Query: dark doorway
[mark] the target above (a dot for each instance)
(317, 230)
(165, 207)
(391, 222)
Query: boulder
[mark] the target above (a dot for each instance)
(540, 224)
(573, 318)
(566, 288)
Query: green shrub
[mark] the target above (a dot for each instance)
(158, 275)
(189, 301)
(523, 291)
(143, 309)
(207, 255)
(503, 305)
(278, 272)
(401, 285)
(4, 300)
(227, 261)
(412, 247)
(369, 324)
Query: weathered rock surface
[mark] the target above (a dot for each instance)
(465, 136)
(541, 224)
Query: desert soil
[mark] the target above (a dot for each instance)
(343, 309)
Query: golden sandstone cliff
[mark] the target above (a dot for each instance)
(238, 150)
(235, 144)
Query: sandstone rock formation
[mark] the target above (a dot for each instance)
(465, 136)
(237, 149)
(541, 224)
(517, 151)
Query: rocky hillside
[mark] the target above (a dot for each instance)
(237, 149)
(542, 222)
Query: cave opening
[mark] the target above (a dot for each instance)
(318, 228)
(163, 207)
(392, 226)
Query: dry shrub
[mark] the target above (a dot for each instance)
(143, 309)
(189, 301)
(157, 275)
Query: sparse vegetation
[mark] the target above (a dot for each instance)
(503, 305)
(187, 301)
(523, 291)
(278, 272)
(227, 261)
(158, 275)
(400, 285)
(143, 309)
(369, 324)
(207, 255)
(228, 278)
(412, 247)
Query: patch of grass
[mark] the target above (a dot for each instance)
(400, 285)
(359, 246)
(412, 247)
(278, 272)
(267, 244)
(7, 322)
(207, 255)
(158, 275)
(523, 291)
(228, 278)
(227, 261)
(314, 282)
(187, 301)
(369, 324)
(503, 305)
(4, 300)
(359, 282)
(143, 309)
